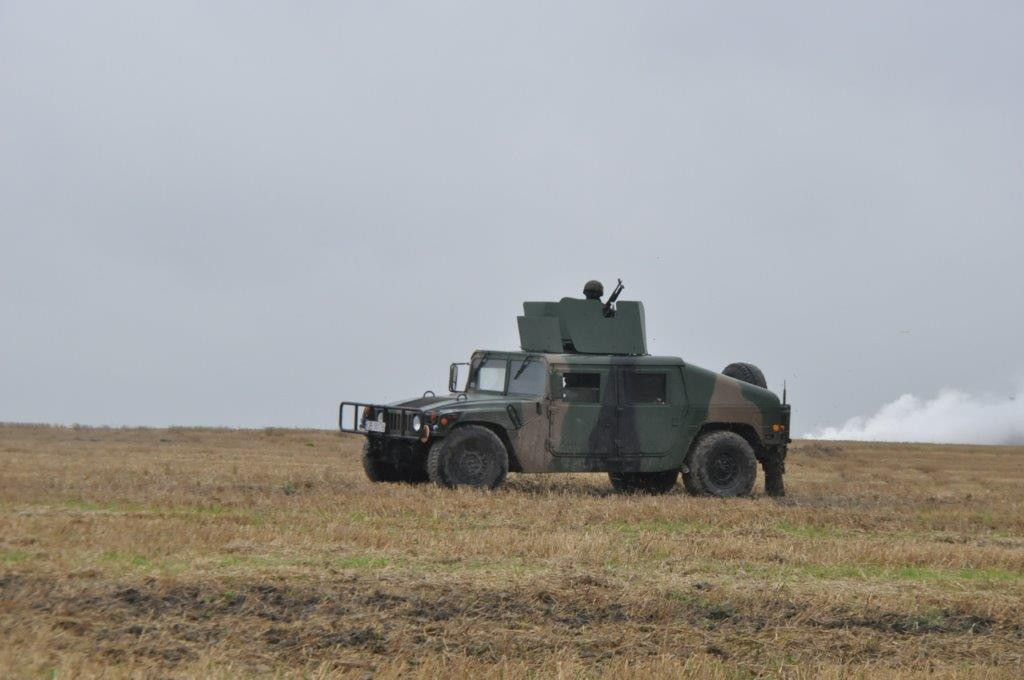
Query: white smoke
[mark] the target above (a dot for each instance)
(952, 417)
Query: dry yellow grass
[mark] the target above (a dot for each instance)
(185, 552)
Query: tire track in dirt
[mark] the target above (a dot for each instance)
(171, 622)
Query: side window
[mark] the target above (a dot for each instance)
(528, 378)
(581, 388)
(644, 388)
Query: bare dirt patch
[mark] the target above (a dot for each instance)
(169, 623)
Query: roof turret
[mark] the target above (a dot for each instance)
(583, 326)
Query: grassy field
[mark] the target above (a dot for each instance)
(222, 553)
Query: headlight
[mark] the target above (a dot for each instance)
(416, 423)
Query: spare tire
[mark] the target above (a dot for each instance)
(748, 373)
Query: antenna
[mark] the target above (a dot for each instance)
(783, 391)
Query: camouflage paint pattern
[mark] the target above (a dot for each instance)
(551, 432)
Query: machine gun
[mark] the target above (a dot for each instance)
(609, 305)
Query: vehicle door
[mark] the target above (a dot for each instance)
(651, 405)
(527, 392)
(582, 415)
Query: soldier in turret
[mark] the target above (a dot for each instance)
(593, 290)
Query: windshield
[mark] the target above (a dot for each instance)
(488, 376)
(527, 376)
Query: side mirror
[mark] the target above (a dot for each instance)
(455, 377)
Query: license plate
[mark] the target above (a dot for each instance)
(375, 426)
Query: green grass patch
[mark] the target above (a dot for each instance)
(807, 530)
(251, 516)
(359, 562)
(12, 555)
(317, 561)
(872, 572)
(247, 561)
(133, 560)
(108, 506)
(212, 510)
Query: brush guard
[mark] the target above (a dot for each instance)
(397, 421)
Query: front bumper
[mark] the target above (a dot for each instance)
(397, 421)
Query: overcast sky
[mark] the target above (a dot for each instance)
(240, 213)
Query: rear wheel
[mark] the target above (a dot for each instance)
(644, 482)
(471, 456)
(721, 464)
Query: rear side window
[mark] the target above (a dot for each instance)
(581, 388)
(644, 388)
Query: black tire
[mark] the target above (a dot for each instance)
(471, 456)
(376, 467)
(653, 483)
(748, 373)
(722, 464)
(690, 483)
(415, 471)
(434, 467)
(381, 466)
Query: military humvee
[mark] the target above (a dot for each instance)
(582, 395)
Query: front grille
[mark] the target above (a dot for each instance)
(397, 420)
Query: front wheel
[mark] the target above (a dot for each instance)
(471, 456)
(721, 464)
(393, 465)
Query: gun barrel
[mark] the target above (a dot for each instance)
(612, 298)
(618, 291)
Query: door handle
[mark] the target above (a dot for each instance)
(513, 416)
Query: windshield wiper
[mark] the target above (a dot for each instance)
(475, 371)
(522, 368)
